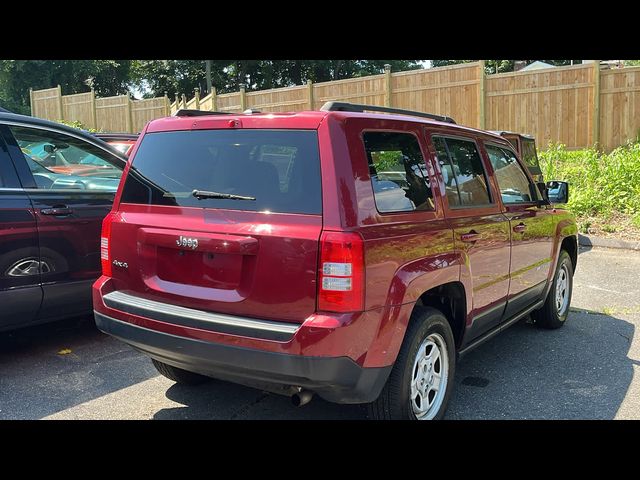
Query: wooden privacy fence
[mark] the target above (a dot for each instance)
(109, 114)
(578, 106)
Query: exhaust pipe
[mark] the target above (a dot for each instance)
(301, 398)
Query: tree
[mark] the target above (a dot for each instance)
(176, 76)
(107, 77)
(182, 76)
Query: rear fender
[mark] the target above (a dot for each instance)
(408, 284)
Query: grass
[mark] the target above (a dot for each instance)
(604, 191)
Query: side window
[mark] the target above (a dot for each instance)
(59, 161)
(512, 181)
(398, 172)
(450, 184)
(464, 171)
(529, 156)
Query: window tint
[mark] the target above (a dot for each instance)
(512, 181)
(398, 173)
(279, 168)
(59, 161)
(466, 170)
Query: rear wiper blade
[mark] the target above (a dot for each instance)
(201, 194)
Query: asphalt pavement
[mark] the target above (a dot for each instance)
(589, 369)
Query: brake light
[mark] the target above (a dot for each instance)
(105, 250)
(341, 272)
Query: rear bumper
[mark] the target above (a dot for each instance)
(336, 379)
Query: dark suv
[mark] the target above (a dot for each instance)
(56, 185)
(353, 255)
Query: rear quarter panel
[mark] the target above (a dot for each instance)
(406, 253)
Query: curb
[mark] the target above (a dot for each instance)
(591, 241)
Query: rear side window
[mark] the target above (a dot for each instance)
(279, 168)
(398, 173)
(464, 176)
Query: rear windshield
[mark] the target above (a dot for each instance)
(279, 168)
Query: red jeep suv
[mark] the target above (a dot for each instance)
(349, 254)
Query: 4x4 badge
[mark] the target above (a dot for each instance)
(191, 243)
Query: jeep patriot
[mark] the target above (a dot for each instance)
(354, 252)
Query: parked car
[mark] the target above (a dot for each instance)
(525, 148)
(56, 185)
(122, 142)
(304, 275)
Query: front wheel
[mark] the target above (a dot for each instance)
(553, 314)
(420, 383)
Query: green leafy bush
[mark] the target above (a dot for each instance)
(600, 183)
(77, 124)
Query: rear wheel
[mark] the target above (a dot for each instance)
(179, 375)
(553, 314)
(421, 380)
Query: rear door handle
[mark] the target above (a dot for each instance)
(470, 237)
(521, 227)
(60, 210)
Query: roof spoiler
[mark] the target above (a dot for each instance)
(186, 112)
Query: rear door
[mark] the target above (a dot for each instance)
(71, 184)
(481, 231)
(20, 290)
(254, 254)
(532, 227)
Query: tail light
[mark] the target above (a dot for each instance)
(105, 250)
(341, 272)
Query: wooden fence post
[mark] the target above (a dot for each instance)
(177, 102)
(129, 119)
(387, 82)
(596, 103)
(197, 97)
(310, 93)
(243, 98)
(167, 105)
(214, 99)
(60, 109)
(481, 97)
(184, 101)
(94, 112)
(31, 104)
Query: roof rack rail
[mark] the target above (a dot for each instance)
(186, 112)
(354, 107)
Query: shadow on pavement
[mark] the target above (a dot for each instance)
(580, 371)
(48, 368)
(227, 401)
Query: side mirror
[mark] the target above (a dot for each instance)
(558, 192)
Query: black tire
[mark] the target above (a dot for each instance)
(548, 316)
(394, 402)
(179, 375)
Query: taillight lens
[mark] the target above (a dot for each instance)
(105, 240)
(341, 272)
